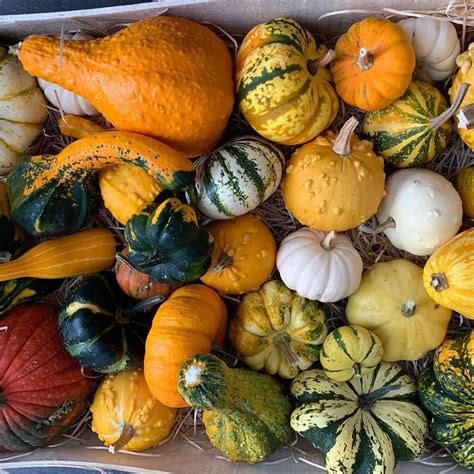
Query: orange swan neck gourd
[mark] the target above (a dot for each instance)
(165, 77)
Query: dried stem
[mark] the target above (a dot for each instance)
(315, 64)
(342, 143)
(436, 122)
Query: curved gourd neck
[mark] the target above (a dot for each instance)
(436, 122)
(342, 143)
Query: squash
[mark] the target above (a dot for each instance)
(77, 127)
(448, 275)
(446, 389)
(43, 391)
(88, 251)
(237, 177)
(180, 91)
(278, 331)
(125, 415)
(350, 351)
(11, 236)
(49, 195)
(392, 303)
(319, 266)
(98, 327)
(420, 212)
(334, 182)
(167, 242)
(22, 111)
(189, 322)
(374, 63)
(364, 425)
(246, 414)
(243, 257)
(436, 45)
(464, 185)
(283, 87)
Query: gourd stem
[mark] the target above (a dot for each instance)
(366, 400)
(144, 305)
(229, 359)
(15, 49)
(5, 257)
(409, 309)
(357, 368)
(365, 59)
(436, 122)
(282, 342)
(315, 64)
(223, 262)
(342, 143)
(439, 282)
(388, 223)
(466, 117)
(328, 242)
(125, 436)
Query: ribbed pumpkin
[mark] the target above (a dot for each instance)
(189, 322)
(464, 185)
(125, 415)
(42, 389)
(243, 257)
(448, 275)
(334, 182)
(446, 389)
(283, 88)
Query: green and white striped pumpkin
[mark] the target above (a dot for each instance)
(236, 178)
(362, 426)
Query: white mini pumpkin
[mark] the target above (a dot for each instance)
(319, 265)
(420, 212)
(67, 101)
(436, 45)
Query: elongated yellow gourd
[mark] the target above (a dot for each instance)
(88, 251)
(78, 127)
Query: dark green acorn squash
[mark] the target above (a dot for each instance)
(10, 235)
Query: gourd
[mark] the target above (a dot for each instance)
(100, 329)
(243, 257)
(188, 323)
(283, 87)
(448, 275)
(464, 185)
(350, 351)
(75, 126)
(65, 100)
(43, 391)
(11, 236)
(436, 45)
(447, 391)
(419, 229)
(166, 241)
(318, 265)
(237, 177)
(374, 63)
(363, 425)
(334, 182)
(125, 415)
(246, 414)
(50, 196)
(85, 252)
(392, 303)
(277, 331)
(22, 111)
(180, 94)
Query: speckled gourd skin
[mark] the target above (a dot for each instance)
(464, 185)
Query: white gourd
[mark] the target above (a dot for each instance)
(67, 101)
(436, 45)
(319, 265)
(420, 212)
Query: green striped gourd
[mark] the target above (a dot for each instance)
(237, 177)
(362, 426)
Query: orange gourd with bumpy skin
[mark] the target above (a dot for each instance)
(170, 78)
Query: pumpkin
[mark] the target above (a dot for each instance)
(350, 351)
(166, 241)
(42, 389)
(278, 331)
(88, 251)
(436, 45)
(448, 275)
(246, 414)
(446, 389)
(22, 111)
(319, 266)
(420, 212)
(76, 127)
(374, 63)
(99, 329)
(392, 303)
(243, 257)
(51, 197)
(363, 425)
(125, 415)
(464, 185)
(180, 91)
(327, 181)
(189, 322)
(237, 177)
(11, 236)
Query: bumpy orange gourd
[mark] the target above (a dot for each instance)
(167, 77)
(188, 323)
(374, 63)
